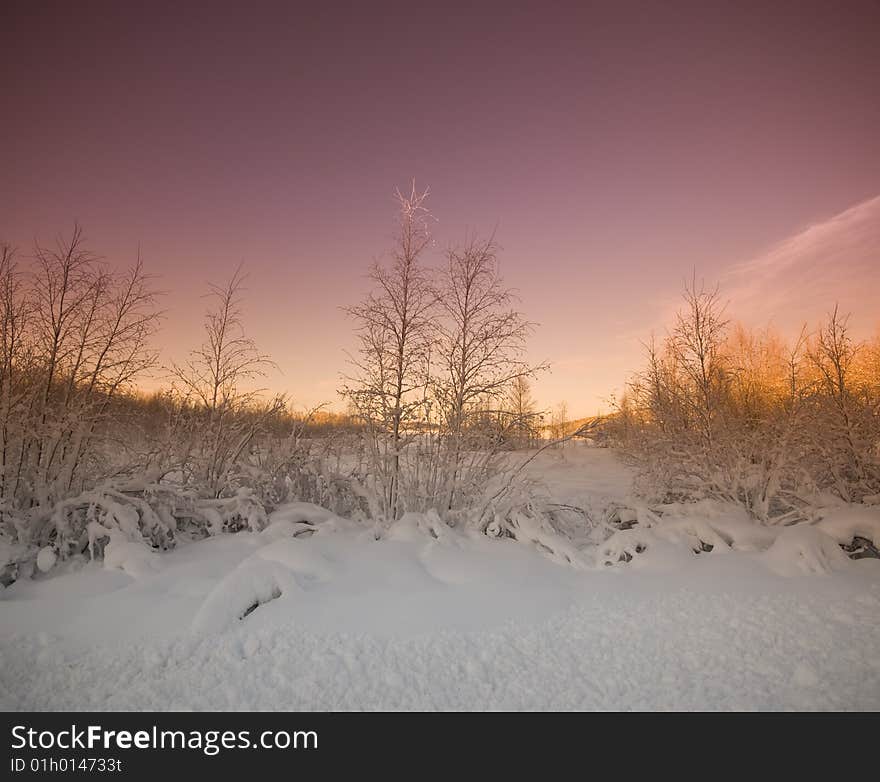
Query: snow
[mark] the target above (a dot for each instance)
(430, 617)
(805, 549)
(845, 523)
(685, 528)
(136, 559)
(296, 519)
(579, 474)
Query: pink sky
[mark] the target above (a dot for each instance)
(613, 150)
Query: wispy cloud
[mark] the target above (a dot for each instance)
(801, 278)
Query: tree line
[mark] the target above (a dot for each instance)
(747, 416)
(437, 391)
(438, 396)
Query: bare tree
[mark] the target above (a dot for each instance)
(68, 285)
(523, 411)
(74, 338)
(214, 381)
(559, 423)
(16, 367)
(835, 354)
(91, 330)
(481, 350)
(396, 333)
(697, 339)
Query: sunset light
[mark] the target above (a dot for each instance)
(404, 357)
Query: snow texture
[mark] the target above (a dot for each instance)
(424, 616)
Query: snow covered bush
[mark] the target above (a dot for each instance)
(723, 413)
(86, 462)
(73, 339)
(156, 516)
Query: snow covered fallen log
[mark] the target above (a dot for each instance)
(250, 585)
(851, 521)
(281, 569)
(712, 526)
(802, 549)
(302, 519)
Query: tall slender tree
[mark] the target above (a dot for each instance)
(396, 331)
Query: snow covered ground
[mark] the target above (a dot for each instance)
(430, 618)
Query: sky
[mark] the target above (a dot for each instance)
(614, 149)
